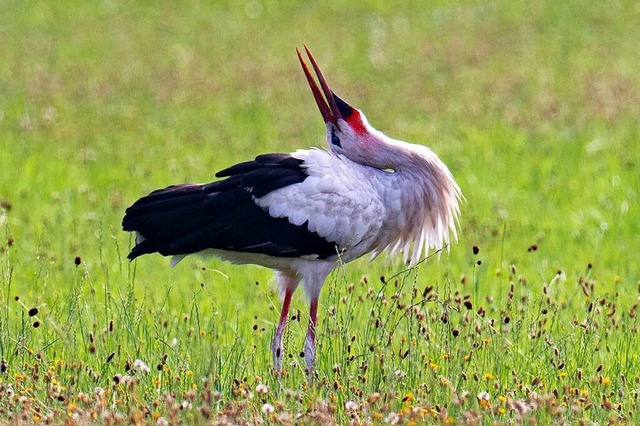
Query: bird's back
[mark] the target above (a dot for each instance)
(223, 215)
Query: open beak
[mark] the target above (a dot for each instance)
(331, 106)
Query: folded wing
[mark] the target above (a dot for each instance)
(223, 215)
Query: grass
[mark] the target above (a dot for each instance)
(533, 106)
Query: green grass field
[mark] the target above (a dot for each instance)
(534, 106)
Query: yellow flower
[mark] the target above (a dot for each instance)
(488, 376)
(605, 381)
(433, 365)
(71, 408)
(483, 399)
(562, 374)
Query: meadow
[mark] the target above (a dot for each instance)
(532, 316)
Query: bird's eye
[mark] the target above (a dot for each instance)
(335, 140)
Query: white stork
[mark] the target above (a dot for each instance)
(304, 213)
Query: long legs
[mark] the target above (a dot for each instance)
(313, 275)
(288, 284)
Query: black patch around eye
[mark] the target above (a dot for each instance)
(335, 140)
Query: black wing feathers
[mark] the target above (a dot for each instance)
(265, 174)
(188, 218)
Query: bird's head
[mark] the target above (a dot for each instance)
(348, 131)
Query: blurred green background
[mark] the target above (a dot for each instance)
(534, 106)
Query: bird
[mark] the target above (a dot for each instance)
(304, 213)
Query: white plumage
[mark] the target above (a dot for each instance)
(303, 213)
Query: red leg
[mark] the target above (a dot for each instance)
(276, 345)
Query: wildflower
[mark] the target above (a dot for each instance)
(445, 382)
(141, 366)
(408, 398)
(433, 365)
(521, 407)
(262, 389)
(71, 408)
(374, 397)
(351, 406)
(483, 399)
(400, 374)
(392, 418)
(488, 376)
(605, 381)
(268, 409)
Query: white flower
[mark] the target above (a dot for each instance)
(262, 389)
(484, 395)
(400, 374)
(483, 399)
(138, 364)
(351, 406)
(268, 409)
(392, 418)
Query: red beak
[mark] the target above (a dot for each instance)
(330, 105)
